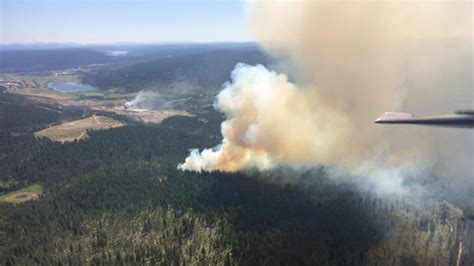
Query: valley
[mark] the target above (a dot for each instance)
(91, 177)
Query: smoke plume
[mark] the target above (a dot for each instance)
(172, 96)
(149, 100)
(350, 61)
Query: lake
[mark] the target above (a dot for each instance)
(66, 87)
(116, 53)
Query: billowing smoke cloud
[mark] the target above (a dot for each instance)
(350, 62)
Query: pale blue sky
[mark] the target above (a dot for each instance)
(105, 21)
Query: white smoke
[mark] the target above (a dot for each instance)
(149, 100)
(268, 120)
(351, 62)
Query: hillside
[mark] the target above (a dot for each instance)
(20, 114)
(39, 58)
(117, 198)
(32, 61)
(204, 71)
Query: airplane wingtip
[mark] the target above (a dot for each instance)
(392, 116)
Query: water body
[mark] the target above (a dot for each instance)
(116, 53)
(66, 87)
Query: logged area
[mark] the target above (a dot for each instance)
(29, 193)
(76, 130)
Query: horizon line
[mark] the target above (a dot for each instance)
(124, 42)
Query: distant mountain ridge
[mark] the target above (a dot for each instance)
(49, 57)
(208, 70)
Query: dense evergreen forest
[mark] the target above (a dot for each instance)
(20, 114)
(117, 198)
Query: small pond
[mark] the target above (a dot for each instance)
(66, 87)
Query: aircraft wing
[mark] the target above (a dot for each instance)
(464, 119)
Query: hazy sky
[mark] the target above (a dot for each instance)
(103, 21)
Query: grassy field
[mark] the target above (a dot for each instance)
(76, 130)
(26, 194)
(45, 79)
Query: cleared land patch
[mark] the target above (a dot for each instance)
(71, 131)
(23, 195)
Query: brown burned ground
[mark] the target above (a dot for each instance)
(76, 130)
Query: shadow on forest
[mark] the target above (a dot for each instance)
(285, 223)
